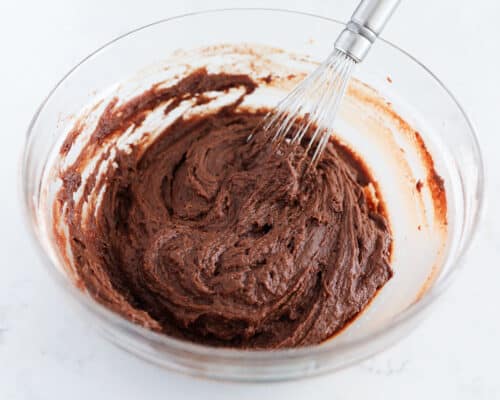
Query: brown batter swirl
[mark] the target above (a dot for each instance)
(210, 238)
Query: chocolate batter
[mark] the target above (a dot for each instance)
(207, 237)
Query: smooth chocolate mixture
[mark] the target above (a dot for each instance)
(212, 238)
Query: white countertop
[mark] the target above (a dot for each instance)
(48, 352)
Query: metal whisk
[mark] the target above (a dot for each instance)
(315, 101)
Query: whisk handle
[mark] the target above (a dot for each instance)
(365, 25)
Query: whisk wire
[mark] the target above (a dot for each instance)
(314, 115)
(329, 118)
(312, 104)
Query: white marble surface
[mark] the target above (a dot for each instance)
(48, 352)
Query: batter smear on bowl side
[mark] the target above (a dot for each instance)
(208, 237)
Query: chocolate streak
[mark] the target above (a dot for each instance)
(210, 238)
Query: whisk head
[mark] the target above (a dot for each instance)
(309, 110)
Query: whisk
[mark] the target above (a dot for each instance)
(315, 101)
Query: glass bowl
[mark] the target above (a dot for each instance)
(397, 77)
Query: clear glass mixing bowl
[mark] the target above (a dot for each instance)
(432, 106)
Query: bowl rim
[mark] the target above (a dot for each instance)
(233, 354)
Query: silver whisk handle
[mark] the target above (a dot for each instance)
(365, 25)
